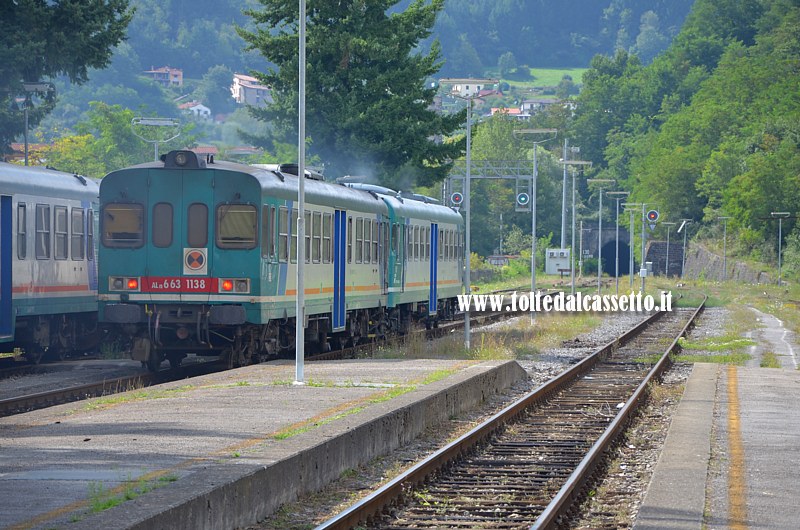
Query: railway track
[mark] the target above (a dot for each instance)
(530, 464)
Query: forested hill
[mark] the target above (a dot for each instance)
(712, 127)
(476, 34)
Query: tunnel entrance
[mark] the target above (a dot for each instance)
(609, 265)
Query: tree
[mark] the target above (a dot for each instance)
(506, 63)
(214, 89)
(368, 108)
(41, 40)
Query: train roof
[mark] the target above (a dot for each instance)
(46, 182)
(421, 210)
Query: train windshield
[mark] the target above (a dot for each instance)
(123, 225)
(236, 226)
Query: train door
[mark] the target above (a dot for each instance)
(384, 255)
(398, 258)
(6, 322)
(434, 272)
(338, 311)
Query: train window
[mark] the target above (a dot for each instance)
(293, 240)
(349, 240)
(417, 246)
(90, 235)
(409, 232)
(162, 225)
(42, 231)
(197, 225)
(307, 236)
(123, 225)
(374, 241)
(440, 243)
(367, 241)
(395, 240)
(22, 231)
(61, 232)
(316, 246)
(359, 238)
(327, 237)
(267, 236)
(236, 226)
(428, 243)
(78, 238)
(283, 234)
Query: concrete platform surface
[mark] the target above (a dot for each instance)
(757, 421)
(225, 450)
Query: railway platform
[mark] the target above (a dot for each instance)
(732, 455)
(224, 450)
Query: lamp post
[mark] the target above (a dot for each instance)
(601, 182)
(631, 207)
(300, 320)
(170, 125)
(617, 196)
(684, 222)
(31, 88)
(724, 220)
(573, 163)
(669, 225)
(567, 150)
(533, 200)
(468, 248)
(781, 216)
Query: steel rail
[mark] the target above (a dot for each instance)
(375, 503)
(572, 489)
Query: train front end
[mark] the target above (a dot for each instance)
(179, 257)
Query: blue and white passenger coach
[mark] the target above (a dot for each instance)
(199, 256)
(48, 272)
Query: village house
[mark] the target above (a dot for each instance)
(248, 90)
(166, 76)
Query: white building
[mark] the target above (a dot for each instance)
(247, 90)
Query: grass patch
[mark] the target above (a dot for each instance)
(726, 342)
(769, 360)
(101, 498)
(727, 358)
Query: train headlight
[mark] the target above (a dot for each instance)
(121, 283)
(234, 285)
(117, 284)
(133, 284)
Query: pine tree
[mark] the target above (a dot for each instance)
(367, 103)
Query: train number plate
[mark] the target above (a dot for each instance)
(160, 284)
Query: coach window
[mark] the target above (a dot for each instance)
(327, 234)
(90, 235)
(307, 236)
(162, 225)
(428, 243)
(316, 245)
(236, 226)
(123, 225)
(367, 240)
(283, 234)
(350, 239)
(42, 231)
(293, 239)
(375, 235)
(78, 238)
(197, 225)
(267, 231)
(22, 231)
(359, 238)
(61, 232)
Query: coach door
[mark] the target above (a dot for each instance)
(6, 325)
(434, 274)
(338, 311)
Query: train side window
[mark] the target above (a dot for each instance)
(22, 231)
(78, 238)
(395, 240)
(293, 240)
(327, 235)
(267, 237)
(440, 243)
(123, 225)
(409, 233)
(307, 236)
(162, 225)
(359, 238)
(283, 234)
(61, 232)
(367, 240)
(374, 241)
(428, 243)
(42, 231)
(316, 234)
(350, 239)
(90, 235)
(197, 225)
(237, 226)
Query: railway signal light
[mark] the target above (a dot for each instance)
(523, 199)
(457, 199)
(652, 217)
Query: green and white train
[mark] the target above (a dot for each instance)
(200, 256)
(48, 271)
